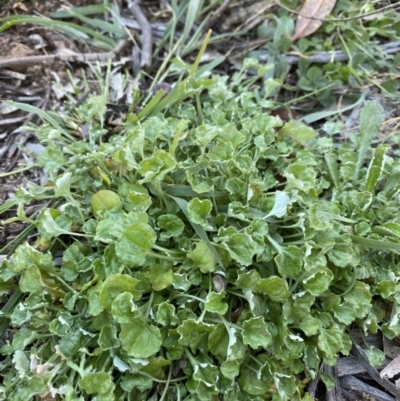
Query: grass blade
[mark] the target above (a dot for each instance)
(372, 116)
(86, 10)
(45, 116)
(74, 30)
(192, 12)
(376, 244)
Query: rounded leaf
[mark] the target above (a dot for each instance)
(97, 382)
(140, 339)
(135, 243)
(115, 285)
(105, 200)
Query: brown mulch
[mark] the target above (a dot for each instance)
(33, 84)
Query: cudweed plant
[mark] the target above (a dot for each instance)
(209, 251)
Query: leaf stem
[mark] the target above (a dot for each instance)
(148, 306)
(166, 384)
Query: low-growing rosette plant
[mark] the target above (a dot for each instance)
(208, 252)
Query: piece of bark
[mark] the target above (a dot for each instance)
(68, 56)
(391, 348)
(336, 393)
(350, 365)
(329, 56)
(385, 383)
(364, 391)
(147, 34)
(372, 339)
(350, 396)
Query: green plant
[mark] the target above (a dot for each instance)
(207, 249)
(321, 71)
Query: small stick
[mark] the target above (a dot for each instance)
(385, 383)
(48, 59)
(326, 57)
(147, 35)
(215, 16)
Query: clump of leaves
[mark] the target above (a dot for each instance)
(209, 251)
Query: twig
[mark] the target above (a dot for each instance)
(48, 59)
(385, 383)
(336, 393)
(394, 6)
(147, 35)
(215, 15)
(158, 29)
(326, 57)
(363, 390)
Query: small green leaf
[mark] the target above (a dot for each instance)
(282, 201)
(21, 363)
(289, 261)
(297, 130)
(317, 280)
(22, 338)
(230, 369)
(47, 225)
(375, 356)
(171, 225)
(181, 282)
(108, 339)
(97, 382)
(166, 314)
(70, 344)
(28, 388)
(154, 168)
(116, 285)
(344, 254)
(360, 297)
(254, 380)
(193, 333)
(301, 176)
(215, 304)
(123, 309)
(199, 210)
(309, 325)
(386, 288)
(32, 281)
(345, 313)
(136, 382)
(285, 384)
(105, 200)
(138, 202)
(275, 287)
(135, 243)
(140, 339)
(330, 341)
(218, 342)
(26, 257)
(52, 158)
(202, 258)
(205, 373)
(241, 248)
(248, 280)
(328, 380)
(255, 333)
(161, 276)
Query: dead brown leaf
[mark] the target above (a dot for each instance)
(312, 9)
(392, 369)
